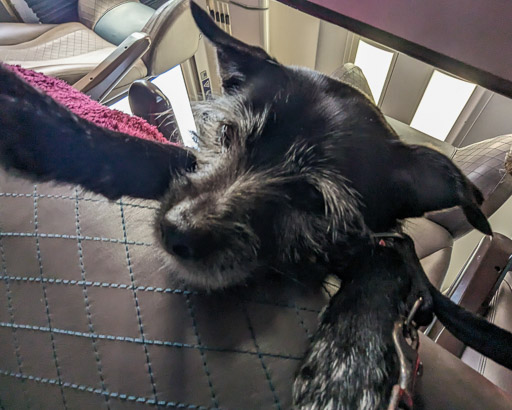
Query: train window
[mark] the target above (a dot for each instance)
(441, 104)
(173, 86)
(375, 63)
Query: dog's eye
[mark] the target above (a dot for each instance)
(226, 135)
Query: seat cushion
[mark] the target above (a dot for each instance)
(62, 42)
(16, 33)
(483, 163)
(69, 44)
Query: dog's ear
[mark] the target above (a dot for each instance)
(436, 183)
(239, 63)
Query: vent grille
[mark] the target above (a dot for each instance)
(219, 12)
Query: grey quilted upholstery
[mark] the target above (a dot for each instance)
(77, 40)
(90, 11)
(484, 164)
(90, 320)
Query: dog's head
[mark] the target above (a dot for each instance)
(290, 162)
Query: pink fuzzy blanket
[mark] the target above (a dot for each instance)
(86, 108)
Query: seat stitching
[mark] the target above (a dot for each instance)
(137, 305)
(10, 308)
(201, 351)
(151, 342)
(277, 403)
(97, 358)
(45, 297)
(115, 395)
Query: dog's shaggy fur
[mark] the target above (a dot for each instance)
(294, 170)
(292, 167)
(352, 362)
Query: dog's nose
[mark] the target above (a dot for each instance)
(183, 244)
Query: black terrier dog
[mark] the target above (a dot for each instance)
(294, 169)
(292, 165)
(353, 362)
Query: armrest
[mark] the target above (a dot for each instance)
(100, 81)
(475, 285)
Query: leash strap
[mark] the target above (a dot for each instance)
(407, 343)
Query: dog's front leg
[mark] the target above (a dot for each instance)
(44, 141)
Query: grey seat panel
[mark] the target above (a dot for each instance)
(90, 11)
(123, 20)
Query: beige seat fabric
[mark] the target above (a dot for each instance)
(433, 244)
(67, 51)
(61, 42)
(16, 33)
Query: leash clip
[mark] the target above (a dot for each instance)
(407, 342)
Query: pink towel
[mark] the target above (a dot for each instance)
(88, 109)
